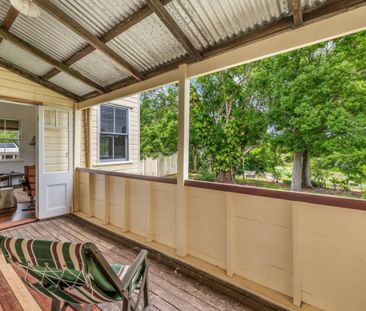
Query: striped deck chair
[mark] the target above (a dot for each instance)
(77, 275)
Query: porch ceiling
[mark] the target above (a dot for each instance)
(90, 47)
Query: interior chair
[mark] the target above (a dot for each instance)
(29, 185)
(77, 275)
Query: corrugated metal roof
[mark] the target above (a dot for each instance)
(100, 69)
(208, 22)
(48, 34)
(23, 59)
(311, 4)
(99, 16)
(147, 44)
(4, 7)
(71, 84)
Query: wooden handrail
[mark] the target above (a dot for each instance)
(164, 180)
(313, 198)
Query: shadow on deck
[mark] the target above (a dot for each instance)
(172, 285)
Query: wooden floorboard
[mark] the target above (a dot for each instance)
(169, 288)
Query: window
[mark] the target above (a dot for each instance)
(9, 139)
(113, 142)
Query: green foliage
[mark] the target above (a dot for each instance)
(159, 122)
(224, 117)
(263, 159)
(310, 100)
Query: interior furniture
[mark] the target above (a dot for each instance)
(8, 200)
(76, 274)
(29, 184)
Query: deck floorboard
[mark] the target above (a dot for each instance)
(169, 289)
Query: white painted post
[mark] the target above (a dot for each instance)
(297, 254)
(77, 152)
(229, 235)
(183, 153)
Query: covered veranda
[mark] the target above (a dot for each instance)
(278, 249)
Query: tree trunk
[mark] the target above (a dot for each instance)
(306, 173)
(194, 159)
(296, 172)
(225, 177)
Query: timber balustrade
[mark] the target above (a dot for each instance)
(291, 244)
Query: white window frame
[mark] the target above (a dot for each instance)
(118, 160)
(19, 139)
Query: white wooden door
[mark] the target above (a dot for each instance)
(54, 162)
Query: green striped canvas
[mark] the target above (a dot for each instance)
(63, 270)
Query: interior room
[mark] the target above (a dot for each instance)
(17, 162)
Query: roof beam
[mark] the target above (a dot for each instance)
(9, 19)
(159, 9)
(295, 7)
(38, 53)
(123, 26)
(34, 78)
(87, 36)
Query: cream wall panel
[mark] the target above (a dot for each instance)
(99, 196)
(115, 201)
(262, 240)
(13, 85)
(334, 256)
(207, 225)
(137, 203)
(84, 192)
(163, 210)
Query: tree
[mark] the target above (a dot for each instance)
(315, 102)
(226, 118)
(159, 122)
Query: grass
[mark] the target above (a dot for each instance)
(263, 183)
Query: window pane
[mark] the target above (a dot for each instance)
(12, 125)
(106, 119)
(106, 146)
(121, 120)
(120, 144)
(2, 124)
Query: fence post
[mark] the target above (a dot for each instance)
(183, 153)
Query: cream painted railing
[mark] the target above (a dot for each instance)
(309, 247)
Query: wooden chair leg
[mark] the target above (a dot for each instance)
(146, 292)
(55, 306)
(126, 305)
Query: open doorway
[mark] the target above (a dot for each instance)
(18, 158)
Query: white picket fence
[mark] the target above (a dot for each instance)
(161, 166)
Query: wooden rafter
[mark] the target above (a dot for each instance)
(87, 36)
(123, 26)
(295, 7)
(159, 9)
(38, 53)
(34, 78)
(9, 19)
